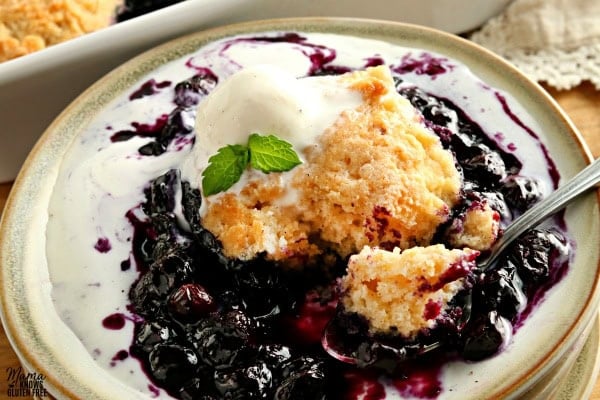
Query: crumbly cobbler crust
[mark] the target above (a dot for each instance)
(398, 291)
(32, 25)
(478, 230)
(377, 177)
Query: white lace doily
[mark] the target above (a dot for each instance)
(552, 41)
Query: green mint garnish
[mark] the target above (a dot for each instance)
(265, 153)
(224, 169)
(271, 154)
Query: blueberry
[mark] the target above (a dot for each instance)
(522, 192)
(152, 148)
(200, 387)
(231, 300)
(189, 92)
(196, 389)
(148, 292)
(251, 382)
(303, 378)
(222, 341)
(190, 301)
(302, 386)
(178, 123)
(191, 200)
(483, 165)
(276, 356)
(417, 97)
(172, 364)
(501, 289)
(485, 335)
(264, 289)
(161, 193)
(304, 364)
(534, 252)
(440, 115)
(149, 334)
(175, 264)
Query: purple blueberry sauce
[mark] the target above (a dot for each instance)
(211, 327)
(103, 245)
(114, 321)
(149, 88)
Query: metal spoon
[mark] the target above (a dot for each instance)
(583, 181)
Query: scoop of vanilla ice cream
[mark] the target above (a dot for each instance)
(268, 100)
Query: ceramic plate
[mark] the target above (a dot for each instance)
(493, 93)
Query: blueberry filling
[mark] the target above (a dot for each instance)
(213, 327)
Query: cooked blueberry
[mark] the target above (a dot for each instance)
(250, 382)
(152, 333)
(172, 364)
(231, 300)
(304, 364)
(189, 92)
(153, 148)
(179, 122)
(197, 389)
(209, 242)
(191, 301)
(238, 322)
(200, 386)
(175, 264)
(275, 355)
(304, 377)
(522, 192)
(440, 115)
(148, 292)
(191, 200)
(534, 252)
(263, 289)
(223, 341)
(161, 196)
(501, 289)
(485, 336)
(483, 165)
(417, 97)
(305, 385)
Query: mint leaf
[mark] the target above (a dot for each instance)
(271, 154)
(265, 153)
(224, 169)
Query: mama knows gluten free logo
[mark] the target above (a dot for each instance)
(25, 384)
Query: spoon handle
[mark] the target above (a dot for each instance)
(558, 199)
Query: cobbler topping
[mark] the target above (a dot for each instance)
(228, 296)
(395, 189)
(404, 293)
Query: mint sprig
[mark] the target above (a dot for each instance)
(265, 153)
(271, 154)
(224, 168)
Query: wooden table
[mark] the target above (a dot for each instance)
(582, 104)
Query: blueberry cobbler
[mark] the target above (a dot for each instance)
(30, 26)
(312, 231)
